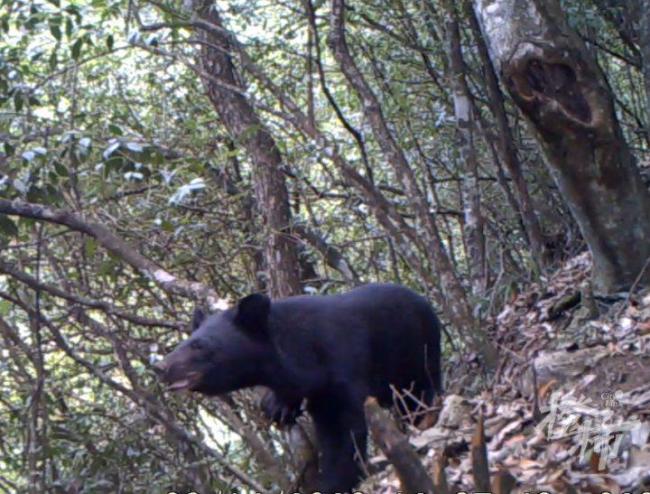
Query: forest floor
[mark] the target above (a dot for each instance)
(568, 409)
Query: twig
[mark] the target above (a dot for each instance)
(395, 445)
(480, 467)
(95, 304)
(633, 287)
(114, 245)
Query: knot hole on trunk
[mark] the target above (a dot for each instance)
(553, 86)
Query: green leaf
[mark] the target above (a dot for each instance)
(134, 146)
(34, 153)
(54, 60)
(114, 164)
(69, 28)
(52, 194)
(90, 247)
(76, 49)
(115, 129)
(167, 226)
(18, 101)
(73, 9)
(61, 170)
(9, 149)
(107, 267)
(56, 3)
(135, 37)
(111, 149)
(7, 226)
(20, 186)
(55, 30)
(37, 194)
(156, 157)
(37, 56)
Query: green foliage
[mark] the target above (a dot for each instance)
(101, 117)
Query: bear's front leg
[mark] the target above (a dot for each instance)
(279, 410)
(342, 435)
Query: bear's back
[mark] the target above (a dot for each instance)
(376, 333)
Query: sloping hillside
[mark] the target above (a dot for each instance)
(567, 410)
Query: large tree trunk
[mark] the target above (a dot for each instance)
(560, 88)
(227, 95)
(242, 122)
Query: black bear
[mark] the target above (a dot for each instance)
(330, 351)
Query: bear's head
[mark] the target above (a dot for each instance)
(227, 351)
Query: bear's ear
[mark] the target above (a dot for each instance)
(253, 312)
(197, 318)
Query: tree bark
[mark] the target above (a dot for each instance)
(246, 129)
(631, 19)
(623, 15)
(116, 246)
(644, 45)
(405, 237)
(560, 88)
(507, 149)
(465, 138)
(458, 306)
(413, 476)
(303, 233)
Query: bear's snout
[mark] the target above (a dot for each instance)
(160, 367)
(177, 373)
